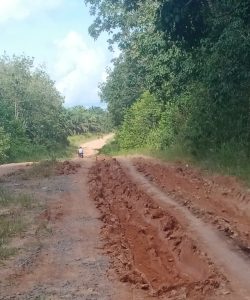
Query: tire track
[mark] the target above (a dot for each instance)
(148, 245)
(232, 264)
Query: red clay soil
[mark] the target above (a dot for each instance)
(219, 200)
(148, 246)
(67, 168)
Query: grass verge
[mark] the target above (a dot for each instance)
(43, 169)
(225, 161)
(9, 199)
(12, 219)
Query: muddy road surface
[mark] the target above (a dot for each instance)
(130, 229)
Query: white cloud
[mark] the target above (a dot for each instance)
(79, 67)
(21, 9)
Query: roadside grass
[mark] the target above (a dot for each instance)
(112, 148)
(36, 153)
(12, 219)
(7, 199)
(10, 226)
(42, 169)
(225, 161)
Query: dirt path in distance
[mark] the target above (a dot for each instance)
(91, 148)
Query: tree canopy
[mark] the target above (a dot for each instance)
(193, 57)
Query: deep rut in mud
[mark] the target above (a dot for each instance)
(218, 200)
(232, 262)
(159, 229)
(148, 245)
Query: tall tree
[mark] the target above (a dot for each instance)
(31, 109)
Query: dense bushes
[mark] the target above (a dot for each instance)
(32, 117)
(193, 57)
(140, 122)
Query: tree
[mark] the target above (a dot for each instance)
(31, 109)
(192, 56)
(140, 121)
(124, 85)
(83, 120)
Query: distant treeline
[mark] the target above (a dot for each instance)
(33, 120)
(183, 76)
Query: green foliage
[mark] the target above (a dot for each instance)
(193, 57)
(153, 126)
(111, 148)
(141, 119)
(93, 120)
(31, 113)
(34, 124)
(4, 145)
(172, 121)
(184, 20)
(123, 87)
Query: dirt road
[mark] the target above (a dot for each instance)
(91, 148)
(132, 229)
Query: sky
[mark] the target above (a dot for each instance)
(55, 33)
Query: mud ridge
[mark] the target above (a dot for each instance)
(217, 200)
(148, 246)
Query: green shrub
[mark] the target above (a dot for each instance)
(142, 118)
(4, 145)
(111, 148)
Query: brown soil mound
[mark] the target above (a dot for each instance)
(67, 168)
(147, 244)
(219, 200)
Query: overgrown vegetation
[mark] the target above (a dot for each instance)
(34, 124)
(87, 122)
(12, 219)
(182, 78)
(7, 199)
(32, 117)
(43, 169)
